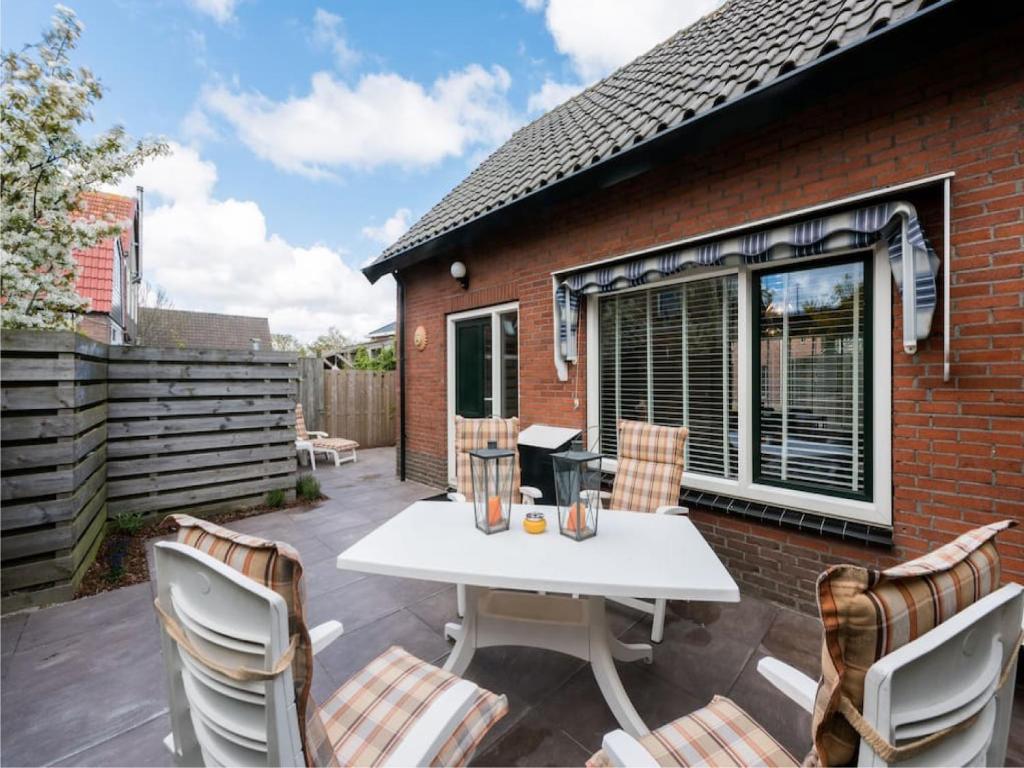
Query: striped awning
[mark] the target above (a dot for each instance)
(893, 225)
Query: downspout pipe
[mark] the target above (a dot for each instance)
(401, 374)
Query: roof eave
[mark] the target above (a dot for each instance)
(699, 133)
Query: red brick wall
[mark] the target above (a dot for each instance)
(958, 447)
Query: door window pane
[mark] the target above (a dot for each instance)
(812, 326)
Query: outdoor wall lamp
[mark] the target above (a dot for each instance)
(458, 271)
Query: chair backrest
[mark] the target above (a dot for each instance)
(650, 466)
(300, 423)
(946, 677)
(229, 621)
(472, 434)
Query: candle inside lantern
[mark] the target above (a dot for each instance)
(493, 511)
(577, 516)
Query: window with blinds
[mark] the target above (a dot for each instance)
(812, 411)
(668, 356)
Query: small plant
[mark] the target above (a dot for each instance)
(307, 487)
(129, 523)
(275, 498)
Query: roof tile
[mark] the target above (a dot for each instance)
(723, 56)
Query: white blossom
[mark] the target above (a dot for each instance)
(46, 167)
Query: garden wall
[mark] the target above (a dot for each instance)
(91, 431)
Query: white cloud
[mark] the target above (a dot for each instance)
(392, 229)
(551, 94)
(196, 126)
(329, 33)
(532, 5)
(600, 35)
(221, 11)
(383, 119)
(218, 256)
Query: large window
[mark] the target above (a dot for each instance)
(772, 370)
(810, 426)
(668, 356)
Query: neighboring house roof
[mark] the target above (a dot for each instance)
(384, 330)
(201, 330)
(96, 264)
(742, 47)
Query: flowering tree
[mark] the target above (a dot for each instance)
(46, 167)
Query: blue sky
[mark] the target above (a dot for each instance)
(308, 135)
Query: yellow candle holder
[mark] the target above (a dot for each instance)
(534, 522)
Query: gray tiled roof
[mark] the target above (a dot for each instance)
(201, 330)
(743, 45)
(384, 330)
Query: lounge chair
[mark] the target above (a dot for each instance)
(239, 663)
(338, 449)
(938, 688)
(647, 479)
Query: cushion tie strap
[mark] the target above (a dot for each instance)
(239, 674)
(893, 754)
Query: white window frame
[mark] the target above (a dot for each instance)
(495, 312)
(876, 512)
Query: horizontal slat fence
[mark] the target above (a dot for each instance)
(207, 429)
(90, 431)
(53, 443)
(360, 406)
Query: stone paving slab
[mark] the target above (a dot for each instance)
(82, 683)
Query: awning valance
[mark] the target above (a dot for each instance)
(893, 225)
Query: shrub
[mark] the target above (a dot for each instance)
(129, 523)
(307, 487)
(275, 498)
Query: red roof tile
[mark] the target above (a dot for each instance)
(96, 264)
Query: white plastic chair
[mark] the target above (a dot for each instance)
(959, 676)
(233, 622)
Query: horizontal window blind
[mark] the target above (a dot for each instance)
(811, 330)
(668, 356)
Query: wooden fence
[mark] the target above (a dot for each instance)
(199, 429)
(53, 456)
(90, 431)
(358, 405)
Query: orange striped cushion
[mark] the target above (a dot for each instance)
(720, 734)
(868, 614)
(276, 566)
(364, 721)
(650, 466)
(474, 434)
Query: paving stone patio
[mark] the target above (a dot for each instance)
(82, 683)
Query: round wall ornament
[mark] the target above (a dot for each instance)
(419, 338)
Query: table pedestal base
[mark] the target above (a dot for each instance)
(574, 626)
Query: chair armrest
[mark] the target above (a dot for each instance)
(529, 492)
(435, 726)
(311, 433)
(453, 496)
(623, 750)
(670, 509)
(792, 682)
(323, 635)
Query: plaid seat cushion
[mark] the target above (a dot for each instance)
(363, 722)
(300, 423)
(334, 443)
(472, 434)
(276, 566)
(650, 466)
(868, 614)
(720, 734)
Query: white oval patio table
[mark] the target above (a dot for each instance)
(633, 555)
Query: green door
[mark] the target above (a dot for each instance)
(472, 368)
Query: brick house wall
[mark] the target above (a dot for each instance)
(958, 447)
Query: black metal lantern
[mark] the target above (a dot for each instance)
(493, 470)
(577, 491)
